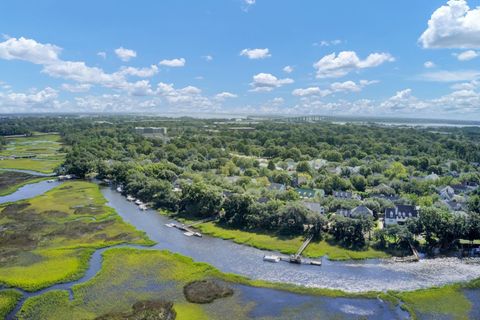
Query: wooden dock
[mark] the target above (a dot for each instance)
(297, 257)
(415, 257)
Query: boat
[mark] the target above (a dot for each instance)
(188, 234)
(50, 181)
(130, 198)
(197, 234)
(143, 207)
(119, 189)
(316, 263)
(271, 258)
(138, 202)
(170, 225)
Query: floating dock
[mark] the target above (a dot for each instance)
(186, 229)
(294, 258)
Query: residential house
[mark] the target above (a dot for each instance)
(432, 177)
(465, 187)
(305, 193)
(317, 164)
(291, 165)
(314, 206)
(360, 211)
(345, 195)
(447, 193)
(399, 214)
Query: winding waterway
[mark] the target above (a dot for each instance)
(351, 276)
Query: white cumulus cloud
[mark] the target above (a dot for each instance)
(140, 72)
(429, 64)
(288, 69)
(453, 25)
(335, 66)
(268, 82)
(173, 63)
(467, 55)
(346, 86)
(125, 54)
(76, 87)
(225, 95)
(29, 50)
(256, 53)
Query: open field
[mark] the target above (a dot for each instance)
(11, 181)
(42, 148)
(288, 245)
(49, 238)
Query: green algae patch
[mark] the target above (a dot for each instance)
(50, 238)
(8, 301)
(289, 245)
(40, 152)
(11, 181)
(445, 302)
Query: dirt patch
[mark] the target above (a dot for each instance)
(145, 310)
(11, 210)
(11, 178)
(91, 209)
(206, 291)
(56, 214)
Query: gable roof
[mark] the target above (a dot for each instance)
(401, 211)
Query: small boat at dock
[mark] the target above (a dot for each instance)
(316, 263)
(274, 259)
(119, 189)
(138, 202)
(143, 207)
(170, 225)
(130, 198)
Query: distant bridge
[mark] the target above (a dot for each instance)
(303, 119)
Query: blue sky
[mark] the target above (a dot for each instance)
(389, 58)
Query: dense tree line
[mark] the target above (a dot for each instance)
(199, 155)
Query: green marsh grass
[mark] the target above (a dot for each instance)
(50, 238)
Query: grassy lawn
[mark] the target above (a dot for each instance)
(447, 302)
(288, 245)
(11, 181)
(8, 300)
(44, 147)
(49, 238)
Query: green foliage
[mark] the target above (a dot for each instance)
(201, 199)
(8, 301)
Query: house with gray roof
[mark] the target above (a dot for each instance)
(400, 214)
